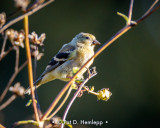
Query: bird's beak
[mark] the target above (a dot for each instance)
(95, 42)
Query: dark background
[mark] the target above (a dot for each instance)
(130, 67)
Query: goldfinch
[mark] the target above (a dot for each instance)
(71, 56)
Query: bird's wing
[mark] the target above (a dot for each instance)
(65, 53)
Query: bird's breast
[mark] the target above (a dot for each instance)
(84, 56)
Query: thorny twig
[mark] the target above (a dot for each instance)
(26, 14)
(110, 41)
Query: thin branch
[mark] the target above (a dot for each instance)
(35, 67)
(130, 11)
(30, 72)
(151, 7)
(6, 52)
(26, 14)
(34, 77)
(17, 58)
(73, 99)
(35, 90)
(11, 80)
(89, 91)
(148, 13)
(59, 107)
(4, 44)
(116, 36)
(10, 100)
(22, 66)
(3, 52)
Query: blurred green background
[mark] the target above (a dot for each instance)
(130, 67)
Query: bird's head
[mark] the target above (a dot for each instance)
(86, 40)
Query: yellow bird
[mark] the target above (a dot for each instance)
(71, 56)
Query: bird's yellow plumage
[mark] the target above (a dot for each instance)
(72, 55)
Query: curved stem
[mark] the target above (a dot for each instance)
(151, 7)
(73, 99)
(94, 93)
(148, 13)
(59, 107)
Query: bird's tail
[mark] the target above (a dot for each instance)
(28, 90)
(37, 83)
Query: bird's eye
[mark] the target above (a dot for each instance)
(87, 37)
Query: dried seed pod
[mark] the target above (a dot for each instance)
(22, 4)
(17, 89)
(2, 19)
(16, 37)
(35, 52)
(37, 40)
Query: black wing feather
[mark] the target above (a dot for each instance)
(61, 57)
